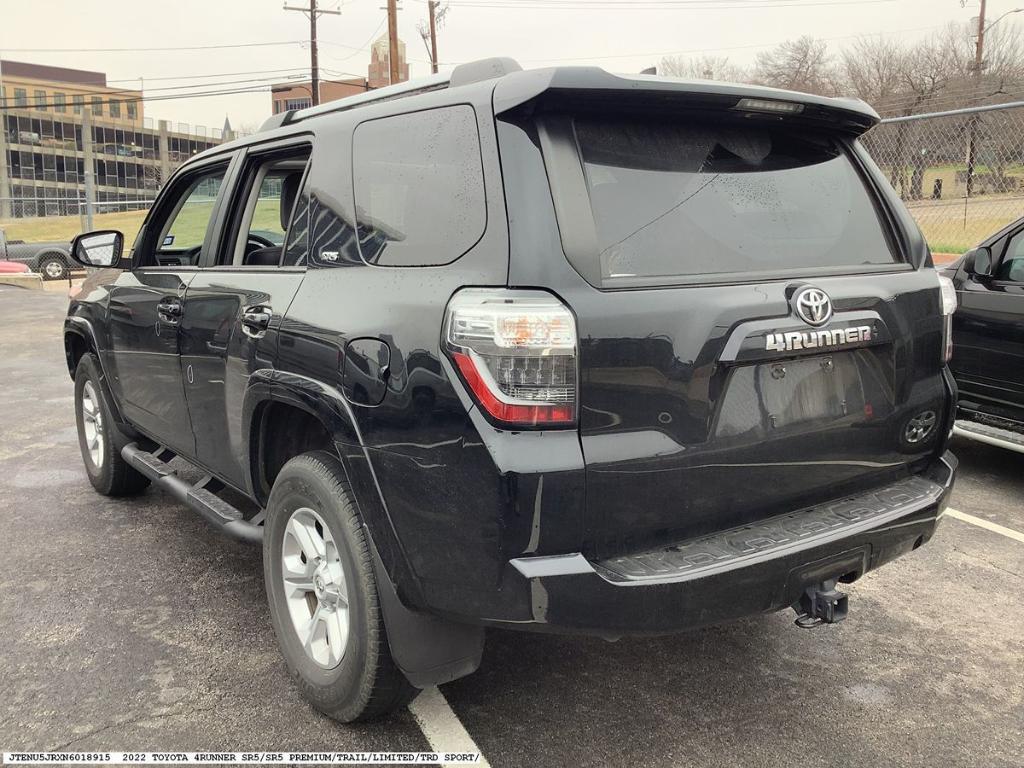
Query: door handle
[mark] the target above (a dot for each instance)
(169, 312)
(255, 321)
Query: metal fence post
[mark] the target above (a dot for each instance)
(88, 166)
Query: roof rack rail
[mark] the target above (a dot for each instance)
(463, 74)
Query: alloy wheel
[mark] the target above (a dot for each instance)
(315, 587)
(92, 424)
(919, 427)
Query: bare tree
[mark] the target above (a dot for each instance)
(702, 68)
(873, 69)
(803, 64)
(937, 74)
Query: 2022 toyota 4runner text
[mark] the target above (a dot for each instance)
(549, 350)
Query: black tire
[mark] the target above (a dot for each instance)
(48, 265)
(110, 474)
(366, 683)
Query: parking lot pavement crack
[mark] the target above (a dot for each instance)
(987, 562)
(127, 722)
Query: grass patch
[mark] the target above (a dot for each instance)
(188, 229)
(66, 227)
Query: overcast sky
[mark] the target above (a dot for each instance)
(619, 35)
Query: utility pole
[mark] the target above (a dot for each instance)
(314, 69)
(972, 123)
(395, 73)
(432, 6)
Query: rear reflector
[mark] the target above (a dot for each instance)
(516, 353)
(948, 291)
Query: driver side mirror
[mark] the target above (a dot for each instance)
(978, 263)
(102, 248)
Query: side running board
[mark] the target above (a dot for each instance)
(198, 497)
(989, 433)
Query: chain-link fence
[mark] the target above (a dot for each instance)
(961, 173)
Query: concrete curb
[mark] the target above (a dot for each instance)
(23, 280)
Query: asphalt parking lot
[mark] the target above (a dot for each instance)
(127, 624)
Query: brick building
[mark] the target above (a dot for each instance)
(380, 69)
(299, 95)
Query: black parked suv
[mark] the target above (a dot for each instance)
(988, 339)
(552, 350)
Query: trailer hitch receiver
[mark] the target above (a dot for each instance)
(821, 604)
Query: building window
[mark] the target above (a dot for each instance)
(60, 102)
(77, 102)
(132, 112)
(20, 97)
(115, 108)
(297, 103)
(97, 105)
(277, 106)
(40, 98)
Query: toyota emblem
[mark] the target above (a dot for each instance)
(812, 305)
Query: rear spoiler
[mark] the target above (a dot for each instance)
(591, 89)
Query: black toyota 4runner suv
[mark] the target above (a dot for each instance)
(551, 350)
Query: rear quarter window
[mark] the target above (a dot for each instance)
(673, 199)
(419, 187)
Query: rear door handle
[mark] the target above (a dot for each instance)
(255, 321)
(169, 311)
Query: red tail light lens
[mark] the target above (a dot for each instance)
(516, 353)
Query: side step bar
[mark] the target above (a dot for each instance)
(198, 497)
(986, 433)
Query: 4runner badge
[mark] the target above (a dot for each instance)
(790, 340)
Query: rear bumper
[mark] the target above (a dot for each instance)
(728, 575)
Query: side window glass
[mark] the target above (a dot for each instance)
(1012, 266)
(183, 233)
(419, 187)
(271, 228)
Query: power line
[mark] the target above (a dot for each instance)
(716, 49)
(128, 94)
(152, 50)
(364, 47)
(228, 92)
(198, 77)
(654, 5)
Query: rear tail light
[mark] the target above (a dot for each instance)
(948, 291)
(516, 353)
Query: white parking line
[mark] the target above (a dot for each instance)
(986, 524)
(441, 725)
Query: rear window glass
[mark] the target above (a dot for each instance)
(680, 200)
